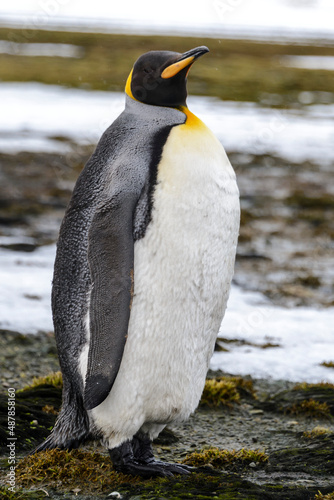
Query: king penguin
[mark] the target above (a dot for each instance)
(144, 263)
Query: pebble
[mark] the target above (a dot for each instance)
(256, 412)
(307, 482)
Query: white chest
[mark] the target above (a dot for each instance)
(185, 263)
(196, 188)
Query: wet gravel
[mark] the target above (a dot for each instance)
(23, 357)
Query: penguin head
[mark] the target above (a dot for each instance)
(160, 77)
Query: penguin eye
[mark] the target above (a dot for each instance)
(147, 70)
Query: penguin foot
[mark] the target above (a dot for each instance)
(142, 449)
(136, 458)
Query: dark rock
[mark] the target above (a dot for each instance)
(315, 458)
(287, 400)
(20, 247)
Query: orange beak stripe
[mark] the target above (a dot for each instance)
(175, 68)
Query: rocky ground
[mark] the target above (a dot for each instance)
(286, 245)
(285, 251)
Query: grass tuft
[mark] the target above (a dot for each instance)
(54, 378)
(310, 408)
(219, 392)
(317, 431)
(328, 364)
(223, 458)
(224, 391)
(320, 496)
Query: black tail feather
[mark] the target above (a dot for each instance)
(71, 428)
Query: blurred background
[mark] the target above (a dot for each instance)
(266, 89)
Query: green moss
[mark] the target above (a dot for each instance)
(315, 459)
(55, 379)
(201, 486)
(310, 408)
(224, 458)
(224, 391)
(91, 471)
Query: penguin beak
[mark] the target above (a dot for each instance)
(183, 61)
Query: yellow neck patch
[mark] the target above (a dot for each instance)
(192, 120)
(128, 86)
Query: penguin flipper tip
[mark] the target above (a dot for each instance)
(97, 389)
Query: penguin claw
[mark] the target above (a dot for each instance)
(145, 471)
(173, 468)
(153, 469)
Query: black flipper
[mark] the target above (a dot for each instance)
(110, 255)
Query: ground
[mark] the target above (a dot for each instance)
(288, 449)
